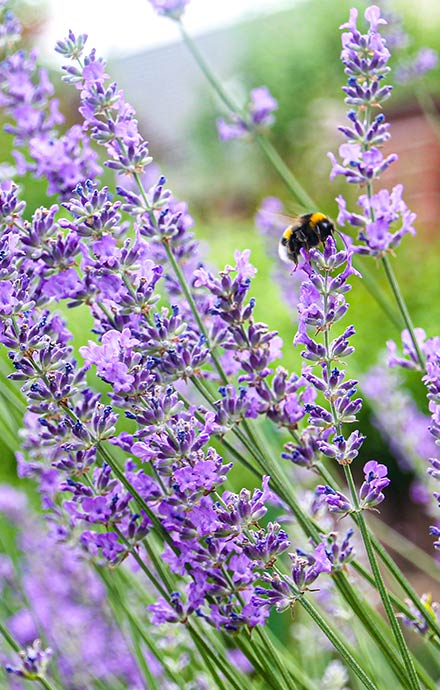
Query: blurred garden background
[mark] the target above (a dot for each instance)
(293, 48)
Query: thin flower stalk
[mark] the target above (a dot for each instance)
(365, 58)
(322, 304)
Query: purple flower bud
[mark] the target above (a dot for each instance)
(336, 501)
(376, 480)
(169, 8)
(33, 662)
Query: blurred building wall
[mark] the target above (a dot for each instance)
(417, 143)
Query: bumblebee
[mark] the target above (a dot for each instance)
(306, 231)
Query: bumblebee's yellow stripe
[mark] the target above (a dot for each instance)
(287, 234)
(315, 218)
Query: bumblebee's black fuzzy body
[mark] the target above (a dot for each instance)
(306, 232)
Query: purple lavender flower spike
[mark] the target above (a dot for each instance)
(107, 116)
(322, 304)
(26, 95)
(385, 219)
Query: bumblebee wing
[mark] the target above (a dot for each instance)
(289, 219)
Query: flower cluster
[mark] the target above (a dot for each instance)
(282, 593)
(208, 541)
(402, 424)
(33, 662)
(258, 113)
(384, 218)
(144, 356)
(106, 114)
(136, 478)
(250, 348)
(26, 96)
(370, 492)
(339, 554)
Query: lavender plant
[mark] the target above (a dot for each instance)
(402, 424)
(135, 479)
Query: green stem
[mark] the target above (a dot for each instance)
(256, 658)
(218, 659)
(207, 71)
(209, 665)
(371, 287)
(4, 632)
(117, 602)
(154, 581)
(161, 571)
(46, 683)
(105, 311)
(373, 622)
(268, 646)
(284, 172)
(405, 585)
(403, 308)
(142, 662)
(132, 620)
(337, 643)
(400, 640)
